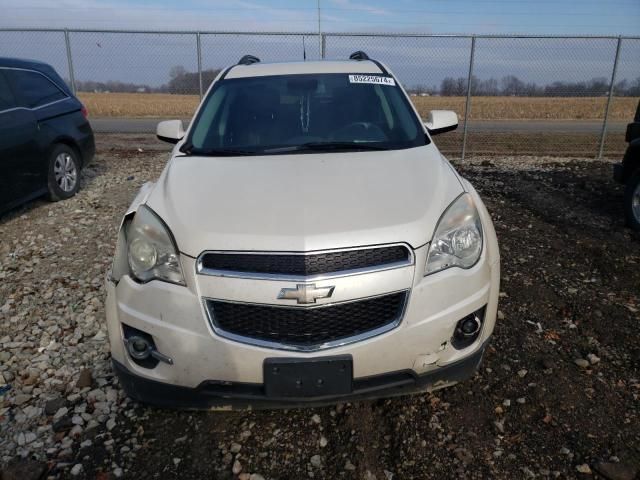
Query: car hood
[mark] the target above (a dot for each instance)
(303, 202)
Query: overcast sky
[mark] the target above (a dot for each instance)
(597, 17)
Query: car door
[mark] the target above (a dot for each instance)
(18, 148)
(45, 101)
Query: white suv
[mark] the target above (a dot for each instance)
(306, 243)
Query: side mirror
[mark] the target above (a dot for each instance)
(170, 131)
(441, 121)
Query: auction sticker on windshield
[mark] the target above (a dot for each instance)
(375, 79)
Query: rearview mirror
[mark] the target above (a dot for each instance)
(170, 131)
(441, 121)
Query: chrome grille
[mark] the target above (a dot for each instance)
(306, 328)
(301, 264)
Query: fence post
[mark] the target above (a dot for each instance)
(199, 51)
(72, 78)
(610, 96)
(468, 102)
(323, 46)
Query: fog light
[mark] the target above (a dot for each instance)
(468, 329)
(470, 326)
(142, 349)
(138, 347)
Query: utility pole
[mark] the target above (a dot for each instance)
(319, 31)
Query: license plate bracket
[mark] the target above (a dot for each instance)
(308, 377)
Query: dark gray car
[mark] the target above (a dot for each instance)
(45, 137)
(628, 173)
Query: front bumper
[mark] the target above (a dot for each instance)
(208, 369)
(219, 395)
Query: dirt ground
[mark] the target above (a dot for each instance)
(557, 396)
(553, 144)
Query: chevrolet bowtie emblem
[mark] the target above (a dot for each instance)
(305, 293)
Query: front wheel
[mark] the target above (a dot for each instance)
(632, 201)
(64, 173)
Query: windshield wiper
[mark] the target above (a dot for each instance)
(216, 152)
(325, 147)
(189, 150)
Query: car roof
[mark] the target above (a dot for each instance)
(43, 68)
(260, 69)
(24, 63)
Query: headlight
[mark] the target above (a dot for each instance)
(152, 253)
(457, 241)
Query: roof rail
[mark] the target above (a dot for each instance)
(359, 55)
(248, 60)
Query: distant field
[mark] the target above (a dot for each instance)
(532, 108)
(482, 108)
(139, 104)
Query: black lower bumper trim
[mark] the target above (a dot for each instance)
(234, 395)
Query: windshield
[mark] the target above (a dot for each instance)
(304, 113)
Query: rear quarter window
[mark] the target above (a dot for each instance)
(34, 89)
(7, 100)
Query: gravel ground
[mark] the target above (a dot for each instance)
(558, 394)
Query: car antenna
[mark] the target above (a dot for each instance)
(304, 50)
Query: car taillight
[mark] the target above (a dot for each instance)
(85, 112)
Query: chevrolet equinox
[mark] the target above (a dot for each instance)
(306, 243)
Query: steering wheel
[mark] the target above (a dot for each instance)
(359, 131)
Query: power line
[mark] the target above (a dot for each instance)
(450, 23)
(468, 12)
(310, 10)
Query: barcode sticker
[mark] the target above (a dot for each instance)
(375, 79)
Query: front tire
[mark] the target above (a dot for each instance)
(64, 173)
(632, 201)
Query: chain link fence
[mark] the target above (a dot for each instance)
(514, 95)
(560, 92)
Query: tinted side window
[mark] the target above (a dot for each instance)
(33, 89)
(6, 96)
